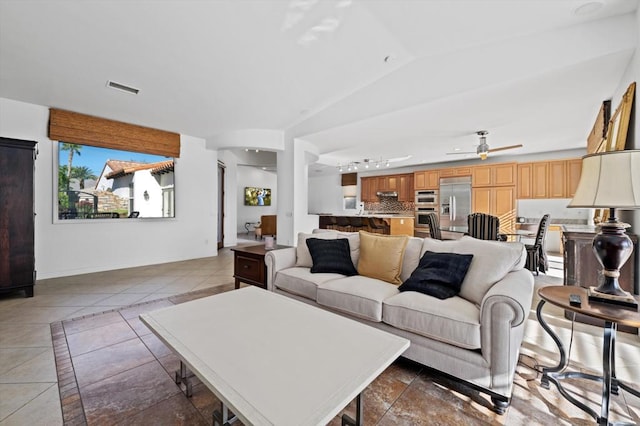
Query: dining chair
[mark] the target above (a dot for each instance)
(434, 226)
(537, 260)
(484, 227)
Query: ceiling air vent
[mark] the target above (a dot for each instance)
(122, 87)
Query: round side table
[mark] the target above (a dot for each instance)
(612, 315)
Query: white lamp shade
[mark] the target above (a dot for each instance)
(609, 180)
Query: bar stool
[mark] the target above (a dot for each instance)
(342, 223)
(356, 223)
(375, 227)
(333, 223)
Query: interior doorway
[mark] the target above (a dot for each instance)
(221, 170)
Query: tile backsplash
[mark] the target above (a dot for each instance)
(389, 205)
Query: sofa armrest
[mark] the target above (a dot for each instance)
(503, 313)
(276, 260)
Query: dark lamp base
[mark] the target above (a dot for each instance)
(612, 247)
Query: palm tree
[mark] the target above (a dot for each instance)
(73, 149)
(82, 173)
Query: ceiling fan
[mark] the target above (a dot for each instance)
(483, 149)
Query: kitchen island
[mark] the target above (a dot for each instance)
(392, 224)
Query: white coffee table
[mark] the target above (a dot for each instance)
(273, 360)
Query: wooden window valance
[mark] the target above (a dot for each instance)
(73, 127)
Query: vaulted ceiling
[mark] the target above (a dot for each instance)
(358, 78)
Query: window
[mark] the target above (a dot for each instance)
(96, 183)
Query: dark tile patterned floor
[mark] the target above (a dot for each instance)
(112, 370)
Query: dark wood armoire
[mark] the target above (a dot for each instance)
(17, 259)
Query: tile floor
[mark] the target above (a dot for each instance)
(124, 351)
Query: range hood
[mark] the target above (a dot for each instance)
(387, 194)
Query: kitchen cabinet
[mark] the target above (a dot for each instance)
(405, 188)
(498, 201)
(549, 179)
(494, 175)
(524, 180)
(539, 178)
(426, 179)
(368, 189)
(349, 179)
(17, 254)
(457, 171)
(556, 179)
(402, 184)
(573, 171)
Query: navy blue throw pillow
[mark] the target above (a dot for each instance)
(331, 256)
(438, 274)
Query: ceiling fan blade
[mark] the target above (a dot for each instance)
(460, 152)
(502, 148)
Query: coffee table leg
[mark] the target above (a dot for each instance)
(183, 376)
(348, 421)
(221, 417)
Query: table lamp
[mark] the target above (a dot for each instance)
(610, 180)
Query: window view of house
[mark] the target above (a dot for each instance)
(98, 183)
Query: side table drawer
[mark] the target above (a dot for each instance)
(249, 268)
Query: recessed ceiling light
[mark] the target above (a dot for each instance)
(122, 87)
(389, 58)
(588, 8)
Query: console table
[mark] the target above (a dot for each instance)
(612, 315)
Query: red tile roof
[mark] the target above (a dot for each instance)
(122, 168)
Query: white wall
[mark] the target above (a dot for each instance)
(253, 176)
(72, 248)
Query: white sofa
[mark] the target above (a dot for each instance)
(474, 337)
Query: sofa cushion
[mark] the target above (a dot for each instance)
(492, 260)
(454, 321)
(438, 274)
(411, 258)
(301, 282)
(303, 257)
(331, 256)
(358, 296)
(354, 245)
(381, 256)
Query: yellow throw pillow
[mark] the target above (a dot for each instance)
(381, 256)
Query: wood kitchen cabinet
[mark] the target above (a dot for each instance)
(405, 188)
(17, 255)
(494, 175)
(426, 179)
(549, 179)
(402, 184)
(497, 201)
(524, 181)
(572, 172)
(457, 171)
(556, 179)
(539, 179)
(368, 189)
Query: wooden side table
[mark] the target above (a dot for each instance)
(613, 316)
(248, 265)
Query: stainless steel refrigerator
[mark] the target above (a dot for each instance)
(455, 201)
